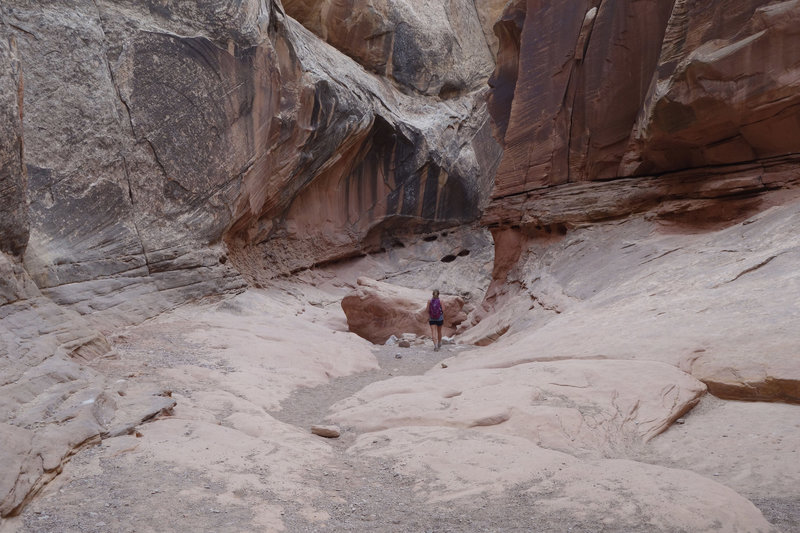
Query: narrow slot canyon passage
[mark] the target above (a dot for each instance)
(503, 437)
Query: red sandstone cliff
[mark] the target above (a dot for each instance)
(697, 102)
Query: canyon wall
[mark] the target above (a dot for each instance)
(680, 102)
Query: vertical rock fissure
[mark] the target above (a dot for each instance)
(478, 16)
(581, 46)
(127, 109)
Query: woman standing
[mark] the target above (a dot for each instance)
(436, 319)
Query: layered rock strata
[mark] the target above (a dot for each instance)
(590, 92)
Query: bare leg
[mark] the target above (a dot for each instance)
(439, 336)
(433, 336)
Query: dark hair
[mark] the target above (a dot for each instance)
(435, 293)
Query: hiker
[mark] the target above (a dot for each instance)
(436, 319)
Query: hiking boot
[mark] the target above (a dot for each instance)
(435, 348)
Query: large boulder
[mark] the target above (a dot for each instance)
(376, 310)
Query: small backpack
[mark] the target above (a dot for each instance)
(435, 309)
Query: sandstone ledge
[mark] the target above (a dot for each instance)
(703, 198)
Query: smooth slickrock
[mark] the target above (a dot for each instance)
(378, 310)
(249, 333)
(620, 495)
(749, 446)
(230, 364)
(571, 406)
(719, 305)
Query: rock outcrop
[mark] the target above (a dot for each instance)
(433, 48)
(716, 304)
(574, 407)
(548, 427)
(681, 114)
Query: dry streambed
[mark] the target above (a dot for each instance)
(544, 446)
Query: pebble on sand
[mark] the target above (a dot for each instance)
(329, 432)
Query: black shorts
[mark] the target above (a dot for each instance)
(436, 322)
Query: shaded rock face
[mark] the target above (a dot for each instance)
(158, 132)
(588, 91)
(427, 47)
(13, 204)
(726, 88)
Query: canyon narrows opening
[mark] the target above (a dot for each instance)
(220, 223)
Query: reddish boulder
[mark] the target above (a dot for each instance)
(377, 310)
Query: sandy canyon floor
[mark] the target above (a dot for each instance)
(431, 441)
